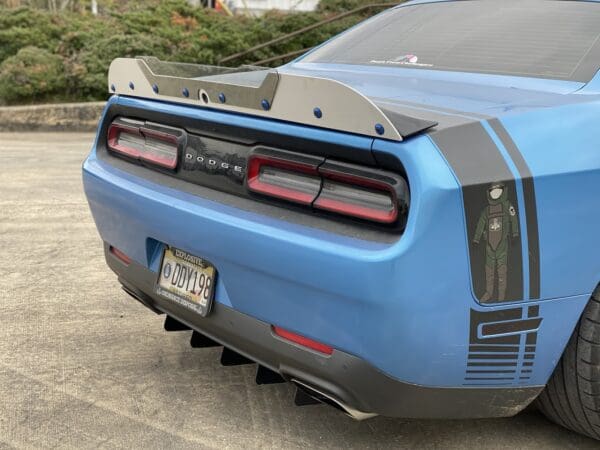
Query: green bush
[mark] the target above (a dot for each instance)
(33, 74)
(342, 5)
(22, 27)
(56, 57)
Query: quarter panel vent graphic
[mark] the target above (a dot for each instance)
(502, 346)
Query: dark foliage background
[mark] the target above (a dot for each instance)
(48, 55)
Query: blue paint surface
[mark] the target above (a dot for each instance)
(560, 146)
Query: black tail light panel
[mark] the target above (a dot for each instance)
(359, 196)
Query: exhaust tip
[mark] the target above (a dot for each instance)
(304, 397)
(318, 396)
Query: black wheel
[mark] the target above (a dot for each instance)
(572, 396)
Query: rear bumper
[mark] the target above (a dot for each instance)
(352, 383)
(371, 298)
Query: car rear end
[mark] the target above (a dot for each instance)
(321, 247)
(319, 219)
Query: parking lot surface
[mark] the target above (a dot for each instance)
(82, 365)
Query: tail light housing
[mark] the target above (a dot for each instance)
(151, 143)
(340, 188)
(284, 175)
(362, 193)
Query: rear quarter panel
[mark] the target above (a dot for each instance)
(562, 148)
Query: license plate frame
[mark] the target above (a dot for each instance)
(178, 269)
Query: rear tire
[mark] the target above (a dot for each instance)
(572, 396)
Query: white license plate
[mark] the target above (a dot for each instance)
(187, 279)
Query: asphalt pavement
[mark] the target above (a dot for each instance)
(84, 366)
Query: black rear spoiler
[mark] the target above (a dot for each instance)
(313, 101)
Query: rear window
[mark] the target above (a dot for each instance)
(534, 38)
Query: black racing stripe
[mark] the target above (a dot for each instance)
(533, 311)
(486, 379)
(442, 119)
(456, 112)
(473, 155)
(493, 348)
(516, 326)
(530, 206)
(491, 371)
(478, 163)
(490, 364)
(493, 356)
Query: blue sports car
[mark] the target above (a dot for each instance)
(404, 222)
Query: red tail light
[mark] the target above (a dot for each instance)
(284, 175)
(303, 341)
(137, 140)
(341, 188)
(356, 193)
(120, 255)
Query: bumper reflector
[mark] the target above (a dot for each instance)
(120, 255)
(303, 341)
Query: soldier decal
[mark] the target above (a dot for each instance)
(498, 226)
(478, 163)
